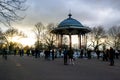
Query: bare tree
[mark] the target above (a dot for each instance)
(97, 34)
(10, 34)
(1, 39)
(9, 10)
(38, 30)
(49, 38)
(114, 33)
(1, 34)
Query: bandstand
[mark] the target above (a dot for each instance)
(71, 27)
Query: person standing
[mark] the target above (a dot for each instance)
(36, 53)
(105, 55)
(81, 53)
(98, 53)
(15, 52)
(116, 54)
(65, 56)
(28, 52)
(45, 53)
(53, 54)
(22, 52)
(111, 56)
(70, 54)
(89, 53)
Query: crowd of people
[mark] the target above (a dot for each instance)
(69, 55)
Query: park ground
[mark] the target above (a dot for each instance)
(30, 68)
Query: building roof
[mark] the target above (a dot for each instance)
(70, 26)
(70, 22)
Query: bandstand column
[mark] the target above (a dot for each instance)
(61, 40)
(86, 41)
(82, 42)
(70, 42)
(83, 39)
(57, 40)
(79, 37)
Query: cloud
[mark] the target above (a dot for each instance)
(88, 12)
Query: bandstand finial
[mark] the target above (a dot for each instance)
(70, 13)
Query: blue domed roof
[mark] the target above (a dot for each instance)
(70, 22)
(70, 26)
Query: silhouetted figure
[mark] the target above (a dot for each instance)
(53, 54)
(4, 54)
(81, 53)
(98, 53)
(36, 53)
(28, 52)
(70, 54)
(111, 56)
(85, 53)
(47, 54)
(22, 51)
(60, 51)
(116, 54)
(105, 55)
(89, 53)
(15, 51)
(65, 56)
(33, 52)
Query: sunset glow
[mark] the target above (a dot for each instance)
(24, 41)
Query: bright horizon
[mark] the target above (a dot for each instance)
(30, 41)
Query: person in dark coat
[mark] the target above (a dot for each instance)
(65, 56)
(21, 51)
(70, 54)
(53, 54)
(89, 53)
(28, 52)
(5, 54)
(105, 55)
(116, 54)
(81, 54)
(111, 56)
(15, 52)
(33, 52)
(45, 52)
(36, 53)
(98, 53)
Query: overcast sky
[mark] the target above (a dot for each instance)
(89, 12)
